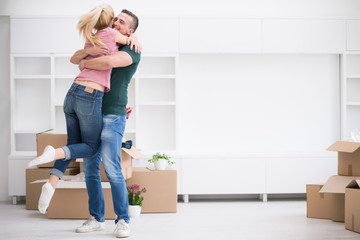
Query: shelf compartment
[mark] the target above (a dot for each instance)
(25, 141)
(352, 120)
(63, 66)
(353, 64)
(32, 66)
(130, 136)
(156, 90)
(353, 90)
(62, 86)
(156, 128)
(131, 94)
(157, 65)
(32, 112)
(60, 122)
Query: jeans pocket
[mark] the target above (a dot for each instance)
(85, 106)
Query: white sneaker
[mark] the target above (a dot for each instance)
(47, 156)
(122, 229)
(91, 225)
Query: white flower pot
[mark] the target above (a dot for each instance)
(160, 164)
(134, 210)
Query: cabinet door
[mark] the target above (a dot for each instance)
(17, 166)
(290, 175)
(220, 35)
(223, 176)
(353, 35)
(44, 35)
(159, 35)
(303, 36)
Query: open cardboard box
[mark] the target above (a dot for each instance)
(33, 191)
(352, 206)
(318, 204)
(70, 200)
(348, 157)
(335, 187)
(126, 157)
(54, 139)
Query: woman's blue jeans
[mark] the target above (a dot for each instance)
(111, 140)
(82, 108)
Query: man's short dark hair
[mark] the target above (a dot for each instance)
(135, 19)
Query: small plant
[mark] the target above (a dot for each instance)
(134, 194)
(158, 156)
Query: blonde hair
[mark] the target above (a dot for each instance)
(98, 18)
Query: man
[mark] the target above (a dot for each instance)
(124, 64)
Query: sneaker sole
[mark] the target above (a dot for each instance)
(122, 235)
(89, 230)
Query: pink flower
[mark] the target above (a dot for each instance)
(144, 190)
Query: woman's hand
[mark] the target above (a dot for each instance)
(134, 42)
(97, 50)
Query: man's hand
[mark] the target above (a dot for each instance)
(97, 50)
(133, 41)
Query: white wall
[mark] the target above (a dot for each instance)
(233, 8)
(4, 105)
(242, 8)
(259, 103)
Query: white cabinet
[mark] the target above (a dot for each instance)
(216, 35)
(303, 36)
(291, 174)
(223, 176)
(353, 35)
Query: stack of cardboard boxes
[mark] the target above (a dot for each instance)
(339, 198)
(43, 171)
(71, 200)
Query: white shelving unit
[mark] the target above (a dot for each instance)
(350, 93)
(155, 103)
(39, 83)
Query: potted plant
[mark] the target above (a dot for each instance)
(160, 161)
(135, 199)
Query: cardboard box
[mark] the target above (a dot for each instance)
(126, 157)
(318, 204)
(352, 206)
(336, 186)
(70, 200)
(348, 157)
(161, 186)
(33, 191)
(56, 140)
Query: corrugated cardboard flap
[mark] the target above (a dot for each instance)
(133, 152)
(337, 184)
(344, 146)
(67, 183)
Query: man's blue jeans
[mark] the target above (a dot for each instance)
(111, 140)
(84, 124)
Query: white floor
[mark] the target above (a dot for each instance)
(232, 219)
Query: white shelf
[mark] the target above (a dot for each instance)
(158, 104)
(71, 76)
(353, 76)
(353, 103)
(47, 77)
(157, 76)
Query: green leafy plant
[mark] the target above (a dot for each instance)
(134, 194)
(158, 156)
